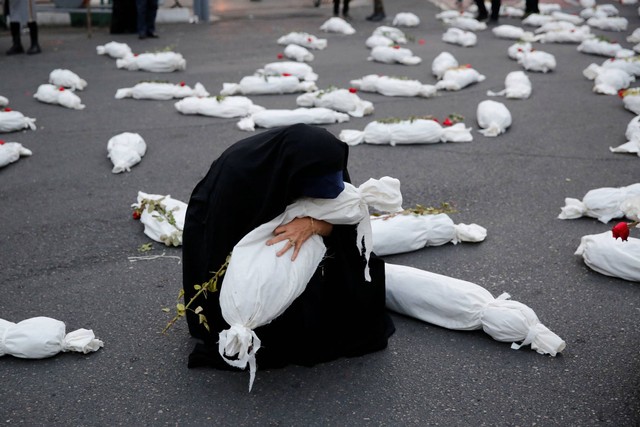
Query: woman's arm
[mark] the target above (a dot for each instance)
(297, 232)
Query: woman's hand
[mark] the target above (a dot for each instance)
(297, 232)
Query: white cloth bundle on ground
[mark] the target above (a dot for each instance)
(4, 101)
(51, 94)
(518, 49)
(337, 25)
(115, 50)
(11, 121)
(609, 23)
(163, 218)
(493, 117)
(537, 20)
(464, 23)
(258, 286)
(267, 85)
(341, 100)
(601, 203)
(406, 19)
(555, 26)
(595, 46)
(450, 14)
(600, 10)
(633, 138)
(459, 78)
(587, 3)
(219, 106)
(537, 60)
(625, 53)
(511, 12)
(631, 100)
(394, 54)
(460, 305)
(161, 91)
(517, 86)
(275, 118)
(395, 34)
(67, 78)
(549, 8)
(569, 17)
(396, 234)
(11, 152)
(41, 337)
(631, 208)
(577, 35)
(411, 131)
(283, 68)
(298, 53)
(609, 81)
(512, 32)
(378, 40)
(442, 62)
(460, 37)
(125, 150)
(611, 257)
(393, 86)
(303, 39)
(161, 62)
(634, 37)
(630, 65)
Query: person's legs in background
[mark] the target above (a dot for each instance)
(378, 11)
(482, 10)
(16, 45)
(33, 34)
(152, 12)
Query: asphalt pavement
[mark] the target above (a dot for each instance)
(67, 238)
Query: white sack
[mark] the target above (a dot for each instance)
(610, 80)
(11, 121)
(51, 94)
(406, 19)
(115, 50)
(631, 208)
(595, 46)
(161, 228)
(555, 26)
(125, 150)
(11, 152)
(394, 54)
(275, 118)
(378, 40)
(460, 37)
(393, 86)
(298, 53)
(459, 78)
(631, 100)
(610, 23)
(630, 65)
(395, 34)
(517, 49)
(577, 35)
(161, 62)
(517, 86)
(537, 60)
(512, 32)
(450, 14)
(297, 69)
(632, 133)
(341, 100)
(67, 78)
(549, 8)
(634, 37)
(442, 62)
(267, 85)
(161, 91)
(467, 24)
(511, 12)
(537, 20)
(303, 39)
(417, 131)
(219, 106)
(569, 17)
(4, 101)
(493, 117)
(337, 25)
(41, 337)
(611, 257)
(460, 305)
(601, 203)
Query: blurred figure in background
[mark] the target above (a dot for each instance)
(378, 11)
(345, 8)
(147, 10)
(20, 13)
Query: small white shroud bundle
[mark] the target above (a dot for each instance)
(631, 65)
(275, 118)
(298, 53)
(161, 91)
(517, 86)
(341, 100)
(395, 34)
(631, 100)
(518, 48)
(258, 286)
(12, 151)
(600, 47)
(608, 81)
(125, 150)
(611, 257)
(601, 203)
(396, 234)
(219, 106)
(392, 86)
(512, 32)
(394, 54)
(416, 131)
(537, 20)
(460, 37)
(67, 78)
(4, 101)
(450, 14)
(267, 85)
(115, 50)
(442, 63)
(459, 78)
(378, 40)
(633, 136)
(460, 305)
(51, 94)
(303, 39)
(161, 62)
(298, 69)
(406, 19)
(493, 117)
(11, 121)
(41, 337)
(163, 225)
(569, 17)
(537, 60)
(464, 23)
(634, 37)
(609, 23)
(337, 25)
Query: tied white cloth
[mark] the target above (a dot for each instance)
(298, 69)
(419, 131)
(395, 34)
(493, 117)
(465, 23)
(337, 25)
(518, 48)
(406, 19)
(630, 65)
(158, 228)
(267, 85)
(161, 62)
(512, 32)
(12, 151)
(303, 39)
(633, 136)
(378, 40)
(51, 94)
(596, 46)
(459, 78)
(161, 91)
(4, 101)
(115, 50)
(608, 23)
(632, 102)
(442, 62)
(258, 286)
(225, 107)
(125, 150)
(601, 203)
(461, 305)
(340, 100)
(573, 35)
(11, 121)
(40, 337)
(517, 86)
(460, 37)
(275, 118)
(67, 78)
(611, 257)
(537, 60)
(298, 53)
(391, 86)
(394, 54)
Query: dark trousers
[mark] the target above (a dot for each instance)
(336, 7)
(147, 10)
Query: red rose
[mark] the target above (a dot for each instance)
(136, 214)
(396, 47)
(468, 65)
(621, 93)
(309, 39)
(422, 41)
(286, 74)
(1, 142)
(61, 89)
(182, 84)
(353, 90)
(280, 56)
(621, 230)
(447, 122)
(135, 54)
(7, 109)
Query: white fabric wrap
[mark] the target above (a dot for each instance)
(517, 86)
(258, 286)
(51, 94)
(298, 69)
(40, 337)
(601, 203)
(461, 305)
(267, 85)
(395, 34)
(275, 118)
(406, 19)
(115, 50)
(298, 53)
(517, 49)
(4, 101)
(303, 39)
(407, 132)
(14, 120)
(389, 86)
(459, 78)
(125, 150)
(611, 257)
(442, 63)
(394, 54)
(537, 60)
(465, 23)
(378, 40)
(460, 37)
(493, 117)
(67, 78)
(610, 80)
(162, 62)
(632, 103)
(227, 107)
(599, 47)
(158, 228)
(12, 151)
(161, 91)
(339, 100)
(512, 32)
(337, 25)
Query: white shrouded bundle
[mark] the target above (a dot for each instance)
(459, 78)
(396, 234)
(51, 94)
(576, 35)
(631, 208)
(450, 14)
(41, 337)
(341, 100)
(4, 101)
(417, 131)
(11, 152)
(595, 46)
(259, 286)
(609, 23)
(634, 37)
(517, 86)
(161, 91)
(511, 12)
(549, 8)
(275, 118)
(11, 121)
(611, 257)
(220, 106)
(125, 150)
(569, 17)
(460, 305)
(464, 23)
(67, 78)
(609, 81)
(378, 40)
(392, 86)
(599, 11)
(337, 25)
(555, 26)
(115, 50)
(442, 62)
(493, 117)
(394, 54)
(517, 49)
(395, 34)
(512, 32)
(161, 62)
(460, 37)
(630, 65)
(537, 20)
(537, 60)
(165, 225)
(297, 69)
(303, 39)
(298, 53)
(267, 85)
(625, 53)
(587, 3)
(633, 136)
(406, 19)
(631, 100)
(601, 203)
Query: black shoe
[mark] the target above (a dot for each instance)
(142, 36)
(376, 17)
(152, 35)
(492, 20)
(34, 49)
(15, 49)
(346, 17)
(482, 16)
